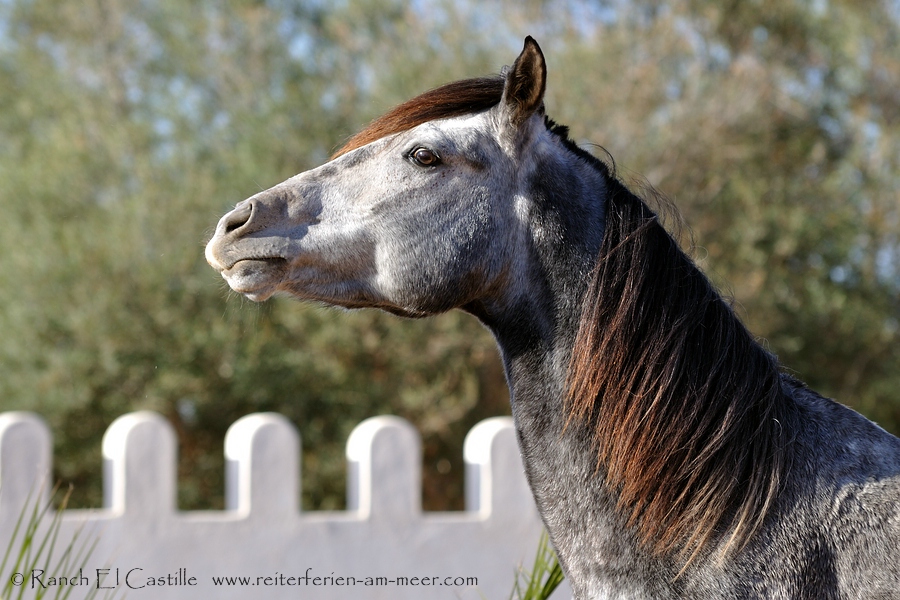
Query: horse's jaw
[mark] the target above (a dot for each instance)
(255, 279)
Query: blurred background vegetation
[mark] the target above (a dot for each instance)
(127, 128)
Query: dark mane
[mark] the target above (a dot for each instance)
(685, 407)
(455, 99)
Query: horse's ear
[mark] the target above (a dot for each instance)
(526, 80)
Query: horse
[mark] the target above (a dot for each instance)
(669, 454)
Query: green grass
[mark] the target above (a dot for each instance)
(545, 576)
(41, 550)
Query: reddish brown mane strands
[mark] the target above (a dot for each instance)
(690, 438)
(455, 99)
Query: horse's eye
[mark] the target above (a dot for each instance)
(425, 157)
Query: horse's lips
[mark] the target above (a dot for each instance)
(256, 278)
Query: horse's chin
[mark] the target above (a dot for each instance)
(256, 279)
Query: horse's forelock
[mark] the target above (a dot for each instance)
(468, 96)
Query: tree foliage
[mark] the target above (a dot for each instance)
(127, 128)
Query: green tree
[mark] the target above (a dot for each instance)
(127, 128)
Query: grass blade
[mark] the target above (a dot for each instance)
(545, 576)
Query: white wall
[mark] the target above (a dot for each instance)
(262, 533)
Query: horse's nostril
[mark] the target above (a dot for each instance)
(237, 218)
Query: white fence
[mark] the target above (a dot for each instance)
(262, 545)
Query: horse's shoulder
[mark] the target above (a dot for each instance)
(845, 466)
(836, 529)
(841, 436)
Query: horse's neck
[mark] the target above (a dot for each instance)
(595, 545)
(536, 334)
(578, 509)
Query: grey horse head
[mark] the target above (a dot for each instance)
(417, 222)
